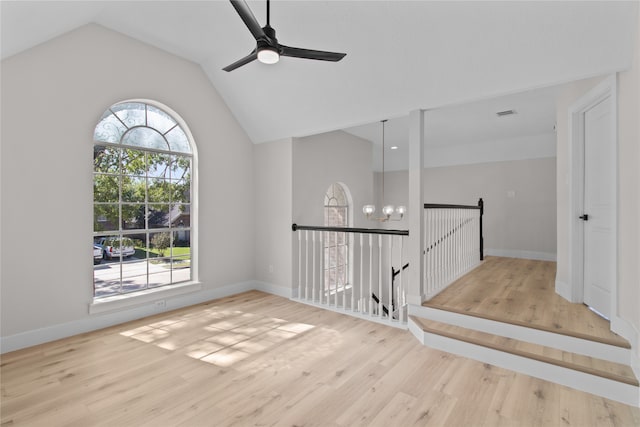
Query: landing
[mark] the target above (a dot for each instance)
(522, 292)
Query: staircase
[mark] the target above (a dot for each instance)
(597, 366)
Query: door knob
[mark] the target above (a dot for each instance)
(584, 217)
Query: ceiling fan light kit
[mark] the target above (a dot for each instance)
(268, 50)
(268, 55)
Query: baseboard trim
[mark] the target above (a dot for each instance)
(564, 290)
(514, 253)
(273, 289)
(104, 320)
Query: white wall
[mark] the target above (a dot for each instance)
(52, 96)
(520, 226)
(319, 161)
(520, 148)
(273, 186)
(629, 193)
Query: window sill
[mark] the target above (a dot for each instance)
(122, 302)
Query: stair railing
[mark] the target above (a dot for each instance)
(371, 289)
(453, 244)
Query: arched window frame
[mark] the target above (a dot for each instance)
(337, 246)
(190, 151)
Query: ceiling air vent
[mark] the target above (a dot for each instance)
(505, 113)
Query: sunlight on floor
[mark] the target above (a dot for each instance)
(224, 338)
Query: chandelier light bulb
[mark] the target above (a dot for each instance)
(388, 210)
(368, 209)
(401, 210)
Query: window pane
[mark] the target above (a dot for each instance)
(180, 216)
(133, 162)
(106, 159)
(159, 190)
(158, 216)
(133, 189)
(145, 137)
(181, 191)
(342, 255)
(105, 188)
(106, 278)
(181, 255)
(131, 113)
(110, 129)
(341, 276)
(105, 217)
(181, 247)
(159, 120)
(180, 168)
(181, 269)
(159, 272)
(132, 216)
(178, 140)
(134, 275)
(159, 165)
(159, 244)
(139, 245)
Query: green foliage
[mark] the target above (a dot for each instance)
(160, 242)
(134, 177)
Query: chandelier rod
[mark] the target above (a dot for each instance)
(382, 201)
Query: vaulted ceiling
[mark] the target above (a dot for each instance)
(401, 55)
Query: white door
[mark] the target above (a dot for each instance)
(599, 207)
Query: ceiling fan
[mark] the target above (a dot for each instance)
(268, 50)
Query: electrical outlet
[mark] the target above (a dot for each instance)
(270, 268)
(160, 304)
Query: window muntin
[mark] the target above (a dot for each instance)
(336, 244)
(142, 200)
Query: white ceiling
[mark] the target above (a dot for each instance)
(472, 123)
(401, 55)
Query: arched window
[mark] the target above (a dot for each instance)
(336, 244)
(142, 201)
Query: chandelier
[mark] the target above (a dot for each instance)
(389, 212)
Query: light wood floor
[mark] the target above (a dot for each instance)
(522, 292)
(258, 359)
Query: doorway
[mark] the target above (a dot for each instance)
(593, 190)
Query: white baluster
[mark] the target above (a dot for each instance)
(360, 307)
(379, 275)
(313, 263)
(335, 294)
(368, 300)
(390, 304)
(306, 262)
(300, 264)
(322, 261)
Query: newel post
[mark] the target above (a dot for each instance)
(415, 294)
(481, 206)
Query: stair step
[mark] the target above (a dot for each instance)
(614, 341)
(589, 365)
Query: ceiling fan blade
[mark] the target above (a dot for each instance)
(247, 17)
(244, 61)
(321, 55)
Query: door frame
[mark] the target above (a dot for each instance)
(607, 89)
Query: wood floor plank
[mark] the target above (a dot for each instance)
(522, 292)
(311, 367)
